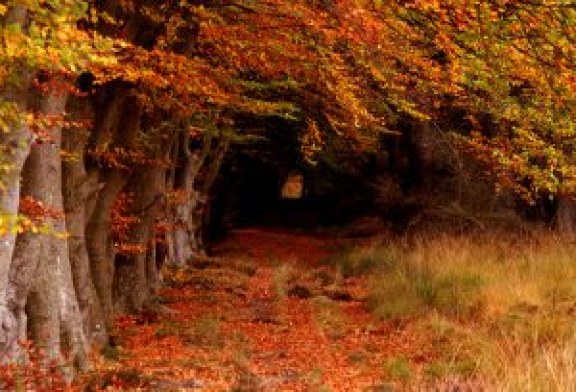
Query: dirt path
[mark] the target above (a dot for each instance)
(266, 315)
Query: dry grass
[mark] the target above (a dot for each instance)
(501, 309)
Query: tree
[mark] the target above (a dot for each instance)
(511, 65)
(41, 47)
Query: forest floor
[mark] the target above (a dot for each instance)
(265, 314)
(288, 311)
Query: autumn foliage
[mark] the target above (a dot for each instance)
(117, 117)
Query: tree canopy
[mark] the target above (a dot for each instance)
(116, 117)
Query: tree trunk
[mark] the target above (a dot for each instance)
(99, 243)
(43, 323)
(195, 179)
(79, 187)
(14, 148)
(25, 263)
(52, 306)
(201, 209)
(98, 236)
(565, 219)
(188, 166)
(154, 259)
(132, 286)
(181, 238)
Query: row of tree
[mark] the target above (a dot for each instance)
(116, 116)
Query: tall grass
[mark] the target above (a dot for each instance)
(508, 304)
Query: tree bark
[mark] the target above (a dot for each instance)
(51, 305)
(565, 217)
(99, 243)
(14, 148)
(132, 281)
(199, 170)
(24, 269)
(154, 260)
(98, 236)
(79, 187)
(191, 163)
(200, 205)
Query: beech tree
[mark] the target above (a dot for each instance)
(511, 68)
(41, 49)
